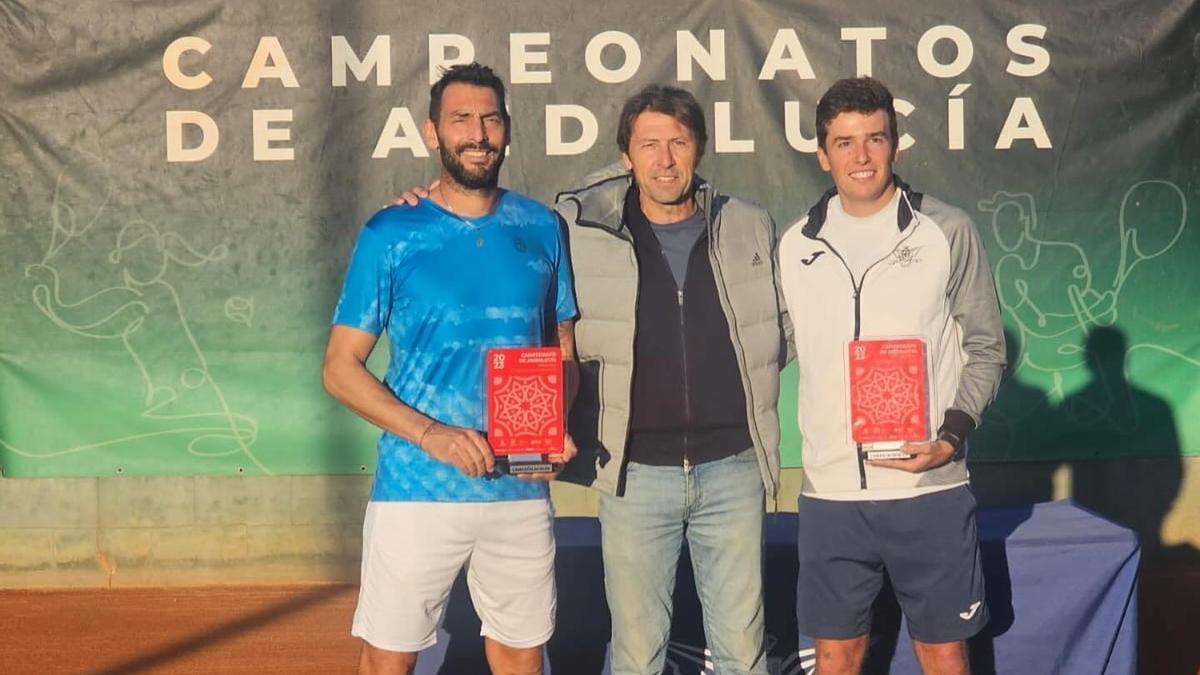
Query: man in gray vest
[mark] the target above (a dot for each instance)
(680, 340)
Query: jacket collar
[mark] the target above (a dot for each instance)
(909, 201)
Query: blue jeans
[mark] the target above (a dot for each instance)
(719, 507)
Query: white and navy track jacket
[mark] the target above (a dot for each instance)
(935, 284)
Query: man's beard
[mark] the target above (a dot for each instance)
(485, 179)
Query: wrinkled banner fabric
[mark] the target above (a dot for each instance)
(183, 182)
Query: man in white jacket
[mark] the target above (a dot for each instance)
(875, 260)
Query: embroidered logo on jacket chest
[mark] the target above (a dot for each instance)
(906, 256)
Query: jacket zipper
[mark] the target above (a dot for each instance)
(857, 295)
(857, 285)
(637, 301)
(687, 389)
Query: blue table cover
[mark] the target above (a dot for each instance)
(1061, 585)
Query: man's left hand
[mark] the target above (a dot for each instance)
(558, 460)
(413, 195)
(925, 456)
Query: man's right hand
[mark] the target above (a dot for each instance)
(414, 195)
(466, 449)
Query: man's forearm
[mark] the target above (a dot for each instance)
(356, 388)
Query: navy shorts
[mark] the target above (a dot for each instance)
(928, 547)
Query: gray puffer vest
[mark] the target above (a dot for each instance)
(742, 243)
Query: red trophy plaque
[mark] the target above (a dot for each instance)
(889, 395)
(525, 407)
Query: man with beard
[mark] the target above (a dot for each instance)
(680, 340)
(470, 268)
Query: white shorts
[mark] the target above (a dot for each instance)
(412, 552)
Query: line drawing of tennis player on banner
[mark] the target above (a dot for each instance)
(1050, 290)
(146, 314)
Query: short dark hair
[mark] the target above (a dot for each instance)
(474, 74)
(855, 94)
(668, 100)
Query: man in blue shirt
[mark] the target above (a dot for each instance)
(470, 268)
(682, 336)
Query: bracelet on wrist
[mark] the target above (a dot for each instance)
(428, 427)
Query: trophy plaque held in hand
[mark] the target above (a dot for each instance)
(889, 395)
(525, 407)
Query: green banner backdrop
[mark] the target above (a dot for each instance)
(183, 181)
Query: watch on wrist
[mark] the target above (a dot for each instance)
(955, 442)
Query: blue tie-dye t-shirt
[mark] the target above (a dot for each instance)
(446, 289)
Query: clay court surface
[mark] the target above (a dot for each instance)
(305, 629)
(284, 629)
